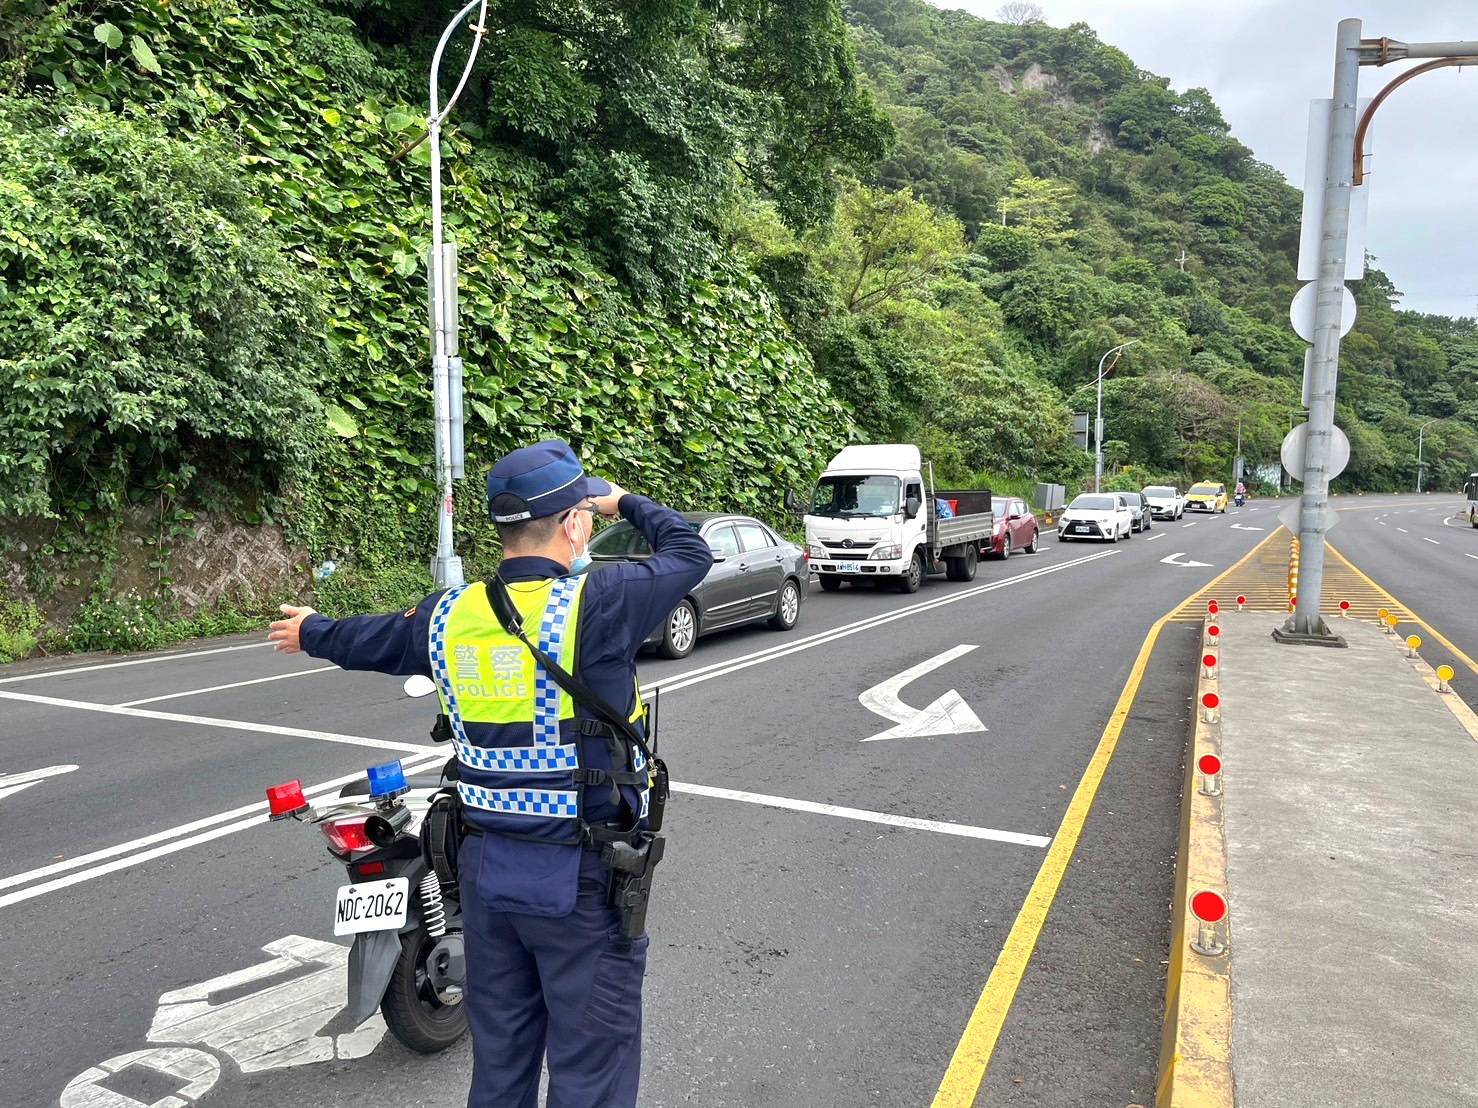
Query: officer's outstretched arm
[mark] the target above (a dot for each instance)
(394, 643)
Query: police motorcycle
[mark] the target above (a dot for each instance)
(407, 959)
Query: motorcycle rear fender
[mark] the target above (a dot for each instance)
(373, 956)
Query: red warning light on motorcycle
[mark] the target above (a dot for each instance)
(286, 800)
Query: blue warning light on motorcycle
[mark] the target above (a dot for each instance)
(386, 780)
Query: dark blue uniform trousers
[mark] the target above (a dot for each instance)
(568, 986)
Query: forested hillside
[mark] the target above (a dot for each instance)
(1096, 205)
(707, 241)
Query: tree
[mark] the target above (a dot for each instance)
(1020, 13)
(883, 246)
(1039, 209)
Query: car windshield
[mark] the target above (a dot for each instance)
(1092, 504)
(1159, 490)
(845, 497)
(1207, 489)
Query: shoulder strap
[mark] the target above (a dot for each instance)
(581, 693)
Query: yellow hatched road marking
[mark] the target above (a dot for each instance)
(961, 1082)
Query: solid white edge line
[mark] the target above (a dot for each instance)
(210, 721)
(131, 662)
(257, 813)
(886, 819)
(232, 685)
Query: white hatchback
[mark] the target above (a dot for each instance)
(1105, 516)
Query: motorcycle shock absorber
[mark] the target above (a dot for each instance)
(431, 906)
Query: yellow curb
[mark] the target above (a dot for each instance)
(1195, 1049)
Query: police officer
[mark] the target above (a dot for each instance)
(544, 783)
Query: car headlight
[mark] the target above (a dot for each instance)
(819, 551)
(885, 553)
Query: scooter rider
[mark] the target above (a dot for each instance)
(555, 793)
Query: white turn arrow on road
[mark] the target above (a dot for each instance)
(1241, 527)
(949, 715)
(1174, 560)
(11, 783)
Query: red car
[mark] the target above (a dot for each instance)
(1016, 527)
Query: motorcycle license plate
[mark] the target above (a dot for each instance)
(372, 906)
(846, 567)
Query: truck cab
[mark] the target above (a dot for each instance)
(874, 516)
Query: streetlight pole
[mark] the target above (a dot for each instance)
(1305, 625)
(446, 366)
(1098, 421)
(1420, 432)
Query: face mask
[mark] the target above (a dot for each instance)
(580, 559)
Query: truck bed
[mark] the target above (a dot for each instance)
(973, 522)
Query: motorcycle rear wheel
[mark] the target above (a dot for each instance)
(414, 1013)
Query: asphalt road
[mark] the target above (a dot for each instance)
(822, 956)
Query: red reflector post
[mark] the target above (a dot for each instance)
(1210, 767)
(1209, 909)
(1213, 630)
(1241, 603)
(1211, 702)
(1213, 607)
(286, 800)
(1209, 661)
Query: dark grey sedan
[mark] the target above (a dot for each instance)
(756, 577)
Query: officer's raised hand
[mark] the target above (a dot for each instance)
(609, 505)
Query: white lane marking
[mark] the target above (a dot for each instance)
(949, 715)
(12, 783)
(257, 813)
(278, 1025)
(961, 829)
(211, 721)
(1473, 556)
(1456, 521)
(1381, 522)
(189, 1073)
(1188, 564)
(1403, 530)
(131, 662)
(1244, 527)
(1152, 538)
(1434, 542)
(720, 669)
(232, 685)
(1190, 523)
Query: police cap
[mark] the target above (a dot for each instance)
(537, 481)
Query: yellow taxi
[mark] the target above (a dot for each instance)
(1207, 496)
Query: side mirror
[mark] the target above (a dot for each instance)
(792, 502)
(417, 685)
(717, 557)
(911, 506)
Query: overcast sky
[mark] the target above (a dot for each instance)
(1263, 61)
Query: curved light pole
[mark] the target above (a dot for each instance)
(1420, 433)
(446, 366)
(1098, 421)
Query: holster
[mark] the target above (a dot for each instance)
(632, 866)
(441, 837)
